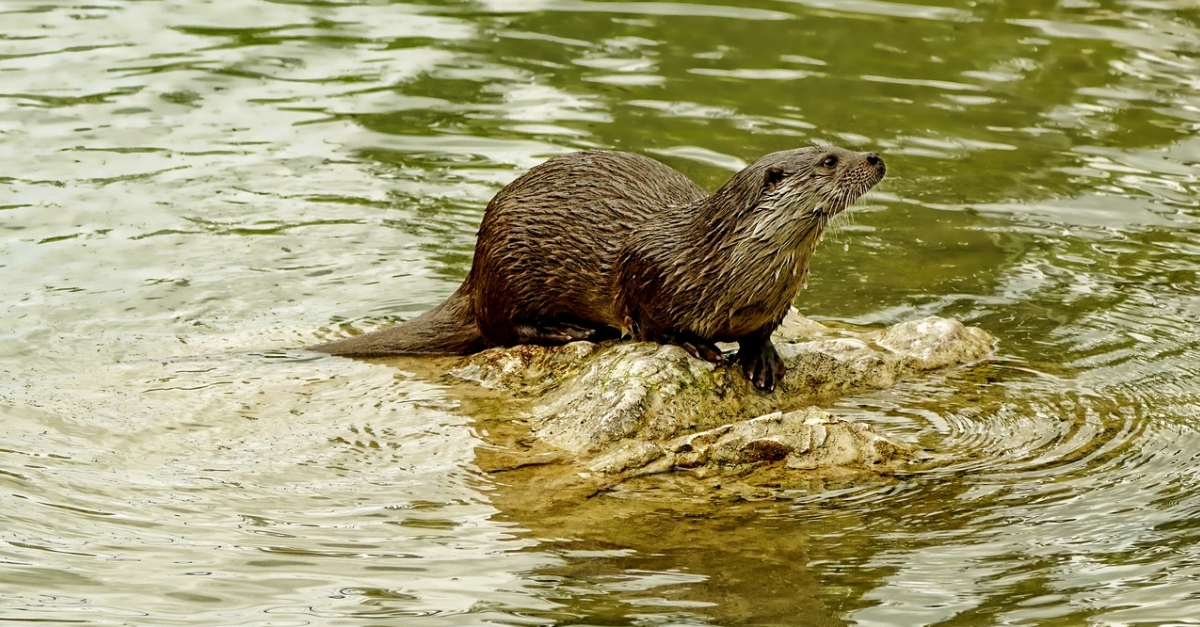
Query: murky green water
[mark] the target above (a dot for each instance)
(185, 182)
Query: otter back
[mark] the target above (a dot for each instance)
(548, 241)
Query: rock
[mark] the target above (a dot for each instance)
(523, 369)
(633, 408)
(808, 439)
(934, 343)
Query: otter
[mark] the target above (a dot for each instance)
(599, 245)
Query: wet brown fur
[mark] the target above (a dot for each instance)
(596, 244)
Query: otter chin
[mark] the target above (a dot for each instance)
(598, 245)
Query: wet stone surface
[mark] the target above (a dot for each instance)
(629, 409)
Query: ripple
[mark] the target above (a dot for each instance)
(1126, 37)
(889, 9)
(635, 8)
(770, 74)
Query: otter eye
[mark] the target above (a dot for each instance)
(829, 162)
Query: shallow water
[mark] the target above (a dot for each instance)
(190, 188)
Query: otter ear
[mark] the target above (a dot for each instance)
(773, 176)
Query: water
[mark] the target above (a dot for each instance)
(188, 189)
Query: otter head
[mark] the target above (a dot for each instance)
(817, 182)
(806, 186)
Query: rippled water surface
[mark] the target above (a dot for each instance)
(188, 188)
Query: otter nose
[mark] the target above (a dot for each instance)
(874, 159)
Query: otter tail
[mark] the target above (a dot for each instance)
(448, 329)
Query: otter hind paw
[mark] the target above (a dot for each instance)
(701, 349)
(563, 333)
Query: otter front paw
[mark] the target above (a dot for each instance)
(762, 365)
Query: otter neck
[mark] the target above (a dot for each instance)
(773, 243)
(724, 219)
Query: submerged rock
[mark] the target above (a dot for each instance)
(633, 408)
(807, 439)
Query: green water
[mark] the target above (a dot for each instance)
(185, 184)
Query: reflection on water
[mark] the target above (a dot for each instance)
(183, 182)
